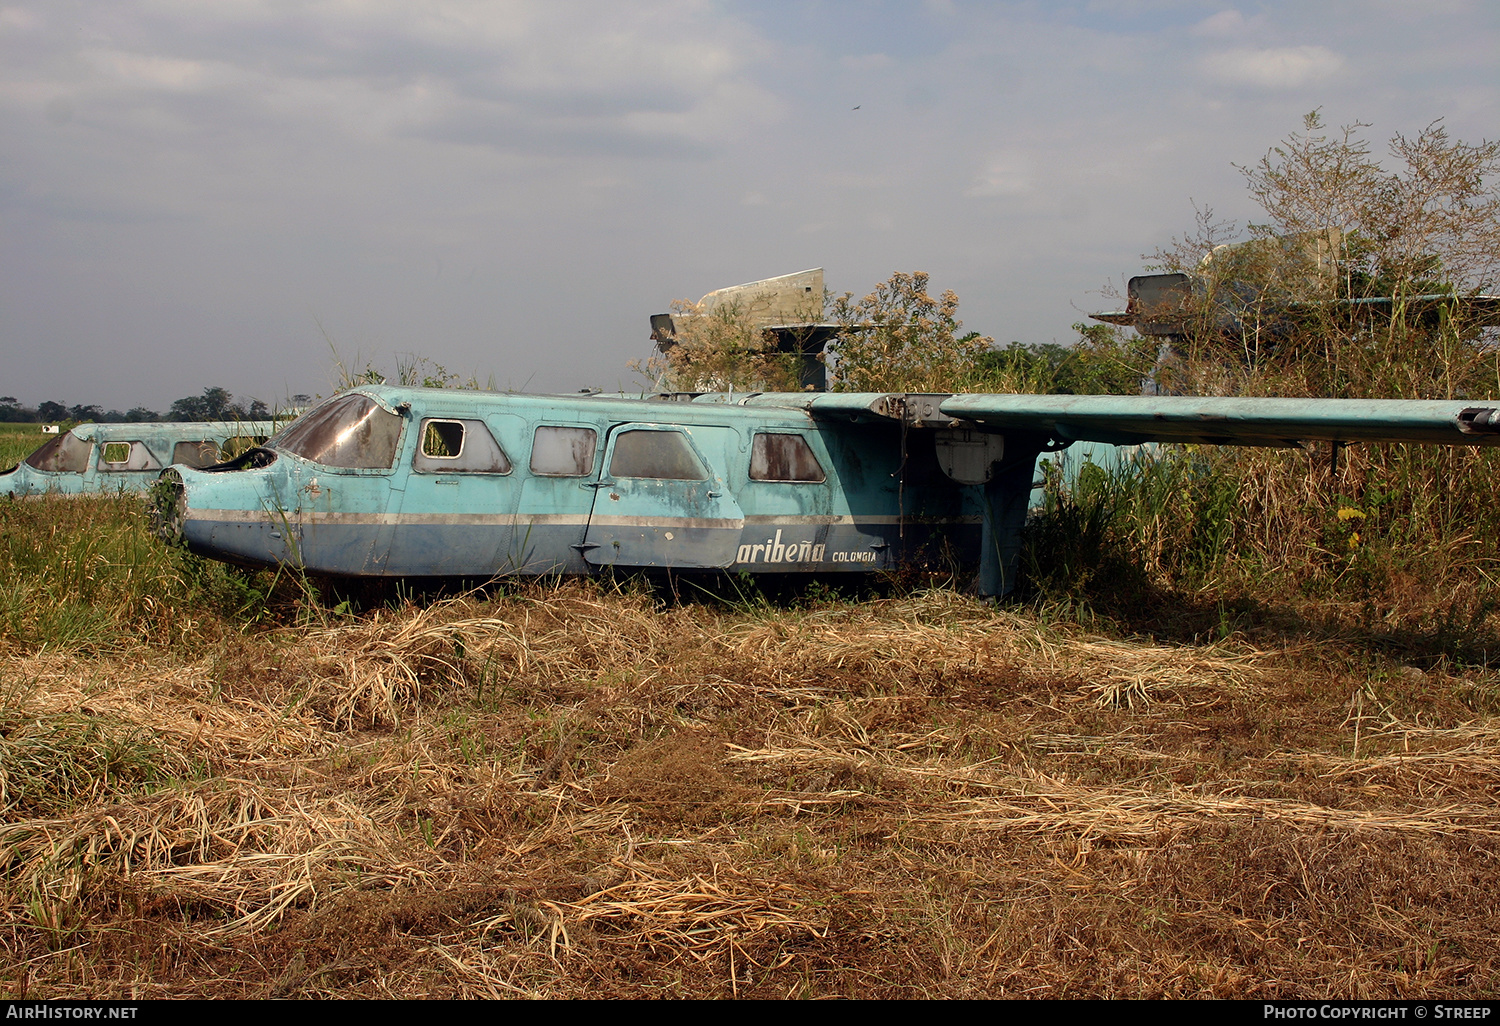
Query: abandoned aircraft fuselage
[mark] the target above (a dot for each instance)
(93, 458)
(387, 481)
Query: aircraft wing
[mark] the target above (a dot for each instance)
(1129, 420)
(1479, 309)
(1132, 419)
(1180, 304)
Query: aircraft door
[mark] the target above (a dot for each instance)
(457, 499)
(557, 495)
(662, 499)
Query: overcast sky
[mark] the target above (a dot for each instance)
(210, 193)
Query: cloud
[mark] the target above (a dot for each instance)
(130, 70)
(866, 62)
(1285, 67)
(1225, 23)
(670, 74)
(1001, 177)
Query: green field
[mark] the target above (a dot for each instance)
(17, 441)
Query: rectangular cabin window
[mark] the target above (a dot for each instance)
(65, 454)
(442, 439)
(658, 454)
(118, 456)
(202, 453)
(783, 458)
(351, 430)
(459, 446)
(563, 451)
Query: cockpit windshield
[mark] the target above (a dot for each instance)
(67, 453)
(350, 431)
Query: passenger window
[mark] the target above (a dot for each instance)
(563, 451)
(658, 454)
(783, 458)
(195, 454)
(67, 454)
(462, 446)
(117, 456)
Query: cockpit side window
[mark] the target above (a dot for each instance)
(65, 454)
(783, 458)
(462, 446)
(351, 431)
(119, 456)
(658, 454)
(563, 451)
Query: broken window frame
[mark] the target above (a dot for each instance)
(485, 450)
(138, 458)
(432, 428)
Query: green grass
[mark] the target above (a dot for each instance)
(85, 572)
(17, 441)
(50, 765)
(1390, 542)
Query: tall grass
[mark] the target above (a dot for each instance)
(85, 572)
(17, 441)
(1393, 538)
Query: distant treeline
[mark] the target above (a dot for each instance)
(212, 404)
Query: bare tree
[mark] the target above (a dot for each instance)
(1362, 280)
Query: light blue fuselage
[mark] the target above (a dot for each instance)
(859, 496)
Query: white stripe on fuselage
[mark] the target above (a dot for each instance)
(246, 516)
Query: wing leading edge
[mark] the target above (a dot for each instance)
(1129, 420)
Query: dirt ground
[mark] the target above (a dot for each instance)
(577, 792)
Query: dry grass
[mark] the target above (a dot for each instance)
(573, 792)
